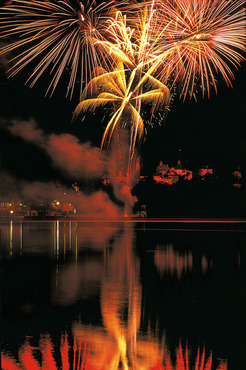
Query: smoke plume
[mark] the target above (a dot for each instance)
(74, 159)
(97, 205)
(122, 178)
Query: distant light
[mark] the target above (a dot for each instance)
(57, 203)
(11, 211)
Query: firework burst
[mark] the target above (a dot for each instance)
(200, 40)
(129, 38)
(181, 42)
(126, 91)
(57, 35)
(178, 43)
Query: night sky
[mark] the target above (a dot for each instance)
(211, 131)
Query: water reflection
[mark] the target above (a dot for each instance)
(53, 238)
(84, 357)
(207, 264)
(119, 342)
(100, 263)
(169, 261)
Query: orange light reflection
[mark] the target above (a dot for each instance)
(119, 341)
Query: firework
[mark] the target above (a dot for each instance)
(200, 40)
(56, 35)
(129, 38)
(177, 43)
(182, 42)
(132, 82)
(127, 91)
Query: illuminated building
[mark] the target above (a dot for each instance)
(205, 172)
(171, 175)
(11, 207)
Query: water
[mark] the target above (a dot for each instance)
(122, 295)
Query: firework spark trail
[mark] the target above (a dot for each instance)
(55, 34)
(178, 41)
(183, 41)
(125, 93)
(201, 39)
(130, 44)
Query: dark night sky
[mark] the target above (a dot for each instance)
(211, 131)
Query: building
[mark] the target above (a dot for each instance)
(171, 175)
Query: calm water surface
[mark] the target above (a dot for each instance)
(121, 295)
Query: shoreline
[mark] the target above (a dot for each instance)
(181, 220)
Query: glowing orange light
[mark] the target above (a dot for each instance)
(83, 358)
(29, 362)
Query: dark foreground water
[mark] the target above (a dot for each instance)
(83, 295)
